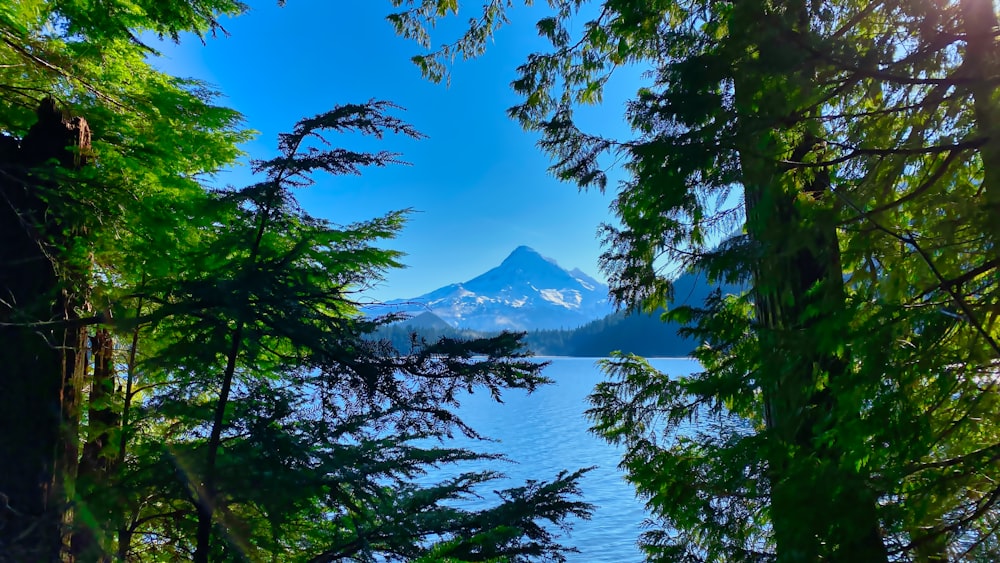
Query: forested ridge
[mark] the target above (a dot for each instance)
(642, 333)
(186, 374)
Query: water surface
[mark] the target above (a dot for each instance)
(546, 432)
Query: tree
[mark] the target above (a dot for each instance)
(246, 415)
(61, 220)
(293, 431)
(836, 409)
(45, 368)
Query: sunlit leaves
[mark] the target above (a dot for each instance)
(410, 23)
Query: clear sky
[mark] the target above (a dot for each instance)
(478, 185)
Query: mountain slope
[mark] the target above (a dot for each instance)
(638, 333)
(525, 292)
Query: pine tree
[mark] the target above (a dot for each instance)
(64, 208)
(293, 431)
(233, 404)
(836, 416)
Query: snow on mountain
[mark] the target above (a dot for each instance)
(584, 279)
(526, 291)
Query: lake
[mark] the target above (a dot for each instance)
(546, 432)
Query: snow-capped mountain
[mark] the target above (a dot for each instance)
(526, 291)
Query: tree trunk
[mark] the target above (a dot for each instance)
(819, 509)
(99, 455)
(43, 369)
(982, 58)
(125, 527)
(206, 500)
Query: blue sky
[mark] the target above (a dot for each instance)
(478, 185)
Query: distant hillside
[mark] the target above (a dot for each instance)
(642, 334)
(636, 333)
(426, 326)
(427, 321)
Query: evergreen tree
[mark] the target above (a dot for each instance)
(293, 432)
(837, 416)
(200, 382)
(63, 209)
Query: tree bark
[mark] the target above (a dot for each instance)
(125, 527)
(982, 58)
(207, 500)
(97, 460)
(819, 509)
(42, 370)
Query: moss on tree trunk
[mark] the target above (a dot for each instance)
(41, 370)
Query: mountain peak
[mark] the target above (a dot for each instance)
(526, 255)
(526, 291)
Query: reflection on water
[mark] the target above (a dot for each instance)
(546, 432)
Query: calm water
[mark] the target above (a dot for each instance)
(546, 432)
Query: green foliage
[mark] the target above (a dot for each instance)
(315, 438)
(841, 400)
(152, 133)
(254, 417)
